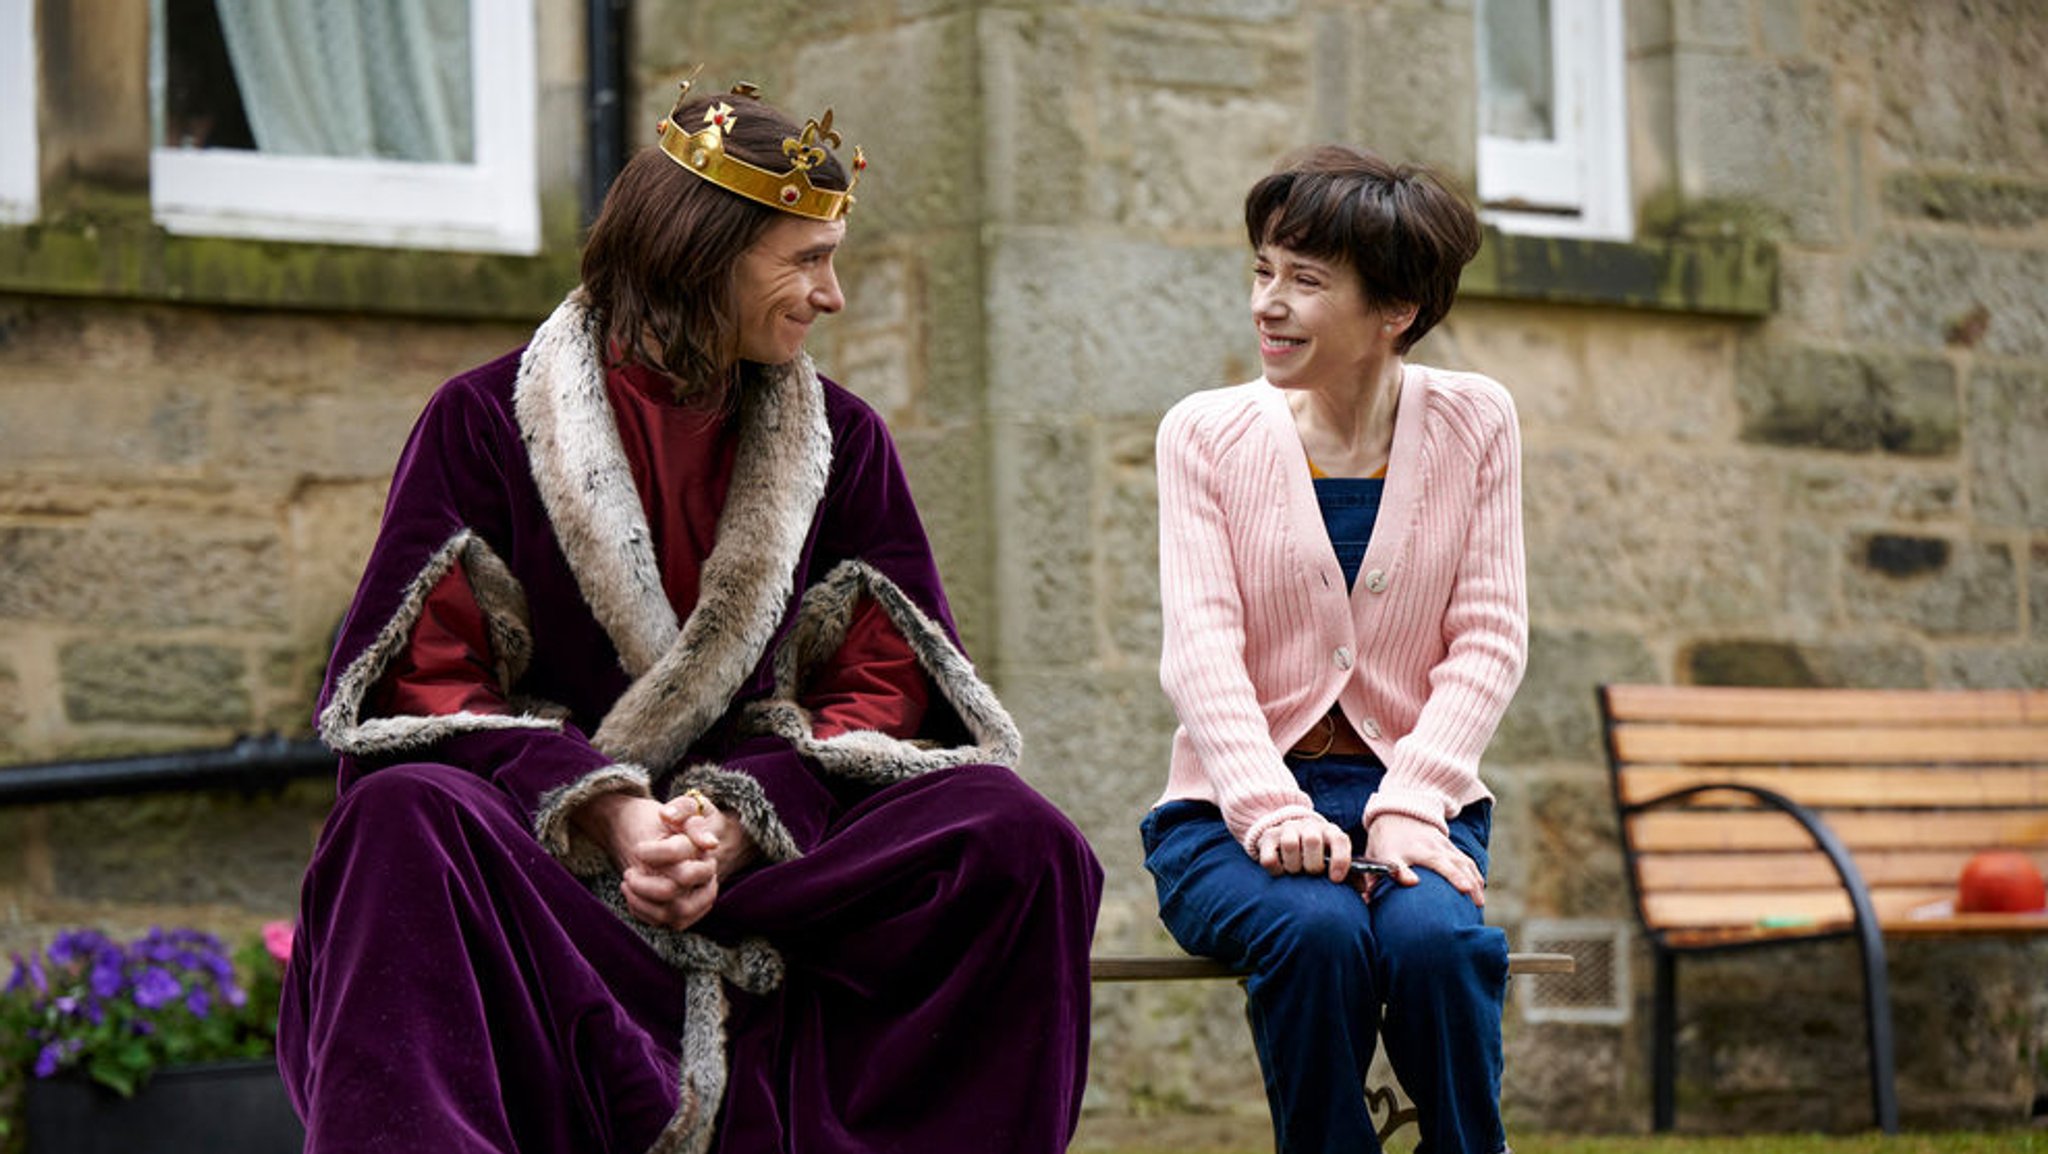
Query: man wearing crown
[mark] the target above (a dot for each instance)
(672, 815)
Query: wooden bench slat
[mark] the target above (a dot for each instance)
(1889, 786)
(1707, 743)
(1167, 968)
(1751, 707)
(1678, 830)
(1760, 909)
(1801, 870)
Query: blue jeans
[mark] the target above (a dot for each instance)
(1329, 975)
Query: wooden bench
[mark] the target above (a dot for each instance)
(1383, 1103)
(1753, 817)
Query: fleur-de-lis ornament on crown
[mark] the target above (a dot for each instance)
(703, 153)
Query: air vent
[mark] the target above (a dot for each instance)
(1597, 992)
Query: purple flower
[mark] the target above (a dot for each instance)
(106, 977)
(48, 1059)
(155, 988)
(198, 1000)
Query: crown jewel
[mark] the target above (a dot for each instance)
(703, 152)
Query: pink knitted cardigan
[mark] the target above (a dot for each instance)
(1261, 637)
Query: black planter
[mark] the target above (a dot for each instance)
(215, 1108)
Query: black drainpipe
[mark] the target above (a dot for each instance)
(250, 764)
(605, 38)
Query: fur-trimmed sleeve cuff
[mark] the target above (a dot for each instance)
(742, 797)
(823, 620)
(553, 823)
(343, 724)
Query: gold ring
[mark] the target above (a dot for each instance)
(696, 797)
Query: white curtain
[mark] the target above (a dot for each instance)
(1515, 72)
(385, 79)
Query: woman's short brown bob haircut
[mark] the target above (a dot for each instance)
(1405, 231)
(660, 261)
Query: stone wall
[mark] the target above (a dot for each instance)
(1826, 467)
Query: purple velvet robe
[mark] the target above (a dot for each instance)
(906, 972)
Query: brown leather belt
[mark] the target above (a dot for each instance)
(1331, 734)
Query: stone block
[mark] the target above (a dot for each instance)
(1943, 586)
(1567, 1078)
(1980, 202)
(1994, 666)
(2037, 597)
(1926, 292)
(1571, 865)
(1973, 998)
(1786, 664)
(1658, 378)
(1037, 150)
(208, 848)
(920, 141)
(1129, 541)
(329, 531)
(1185, 54)
(2008, 447)
(204, 685)
(176, 573)
(1958, 85)
(1112, 325)
(1556, 715)
(1240, 11)
(1416, 68)
(1539, 356)
(1046, 553)
(1611, 533)
(1163, 172)
(1782, 26)
(1829, 488)
(949, 476)
(1762, 133)
(13, 711)
(1849, 402)
(952, 375)
(1711, 24)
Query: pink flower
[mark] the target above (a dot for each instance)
(277, 938)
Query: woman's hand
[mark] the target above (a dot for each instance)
(1305, 845)
(670, 857)
(1406, 842)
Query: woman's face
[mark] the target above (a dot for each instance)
(783, 283)
(1315, 328)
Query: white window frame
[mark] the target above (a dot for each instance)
(20, 174)
(492, 205)
(1580, 180)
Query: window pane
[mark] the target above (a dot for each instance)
(366, 79)
(1515, 70)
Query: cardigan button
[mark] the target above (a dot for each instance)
(1376, 580)
(1372, 729)
(1342, 658)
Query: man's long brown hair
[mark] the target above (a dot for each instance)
(660, 263)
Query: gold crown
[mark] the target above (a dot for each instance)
(703, 152)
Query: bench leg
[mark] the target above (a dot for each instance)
(1877, 1014)
(1387, 1099)
(1664, 1042)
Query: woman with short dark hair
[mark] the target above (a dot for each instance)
(1345, 622)
(672, 816)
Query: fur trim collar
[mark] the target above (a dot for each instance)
(685, 673)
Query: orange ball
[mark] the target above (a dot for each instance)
(2002, 882)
